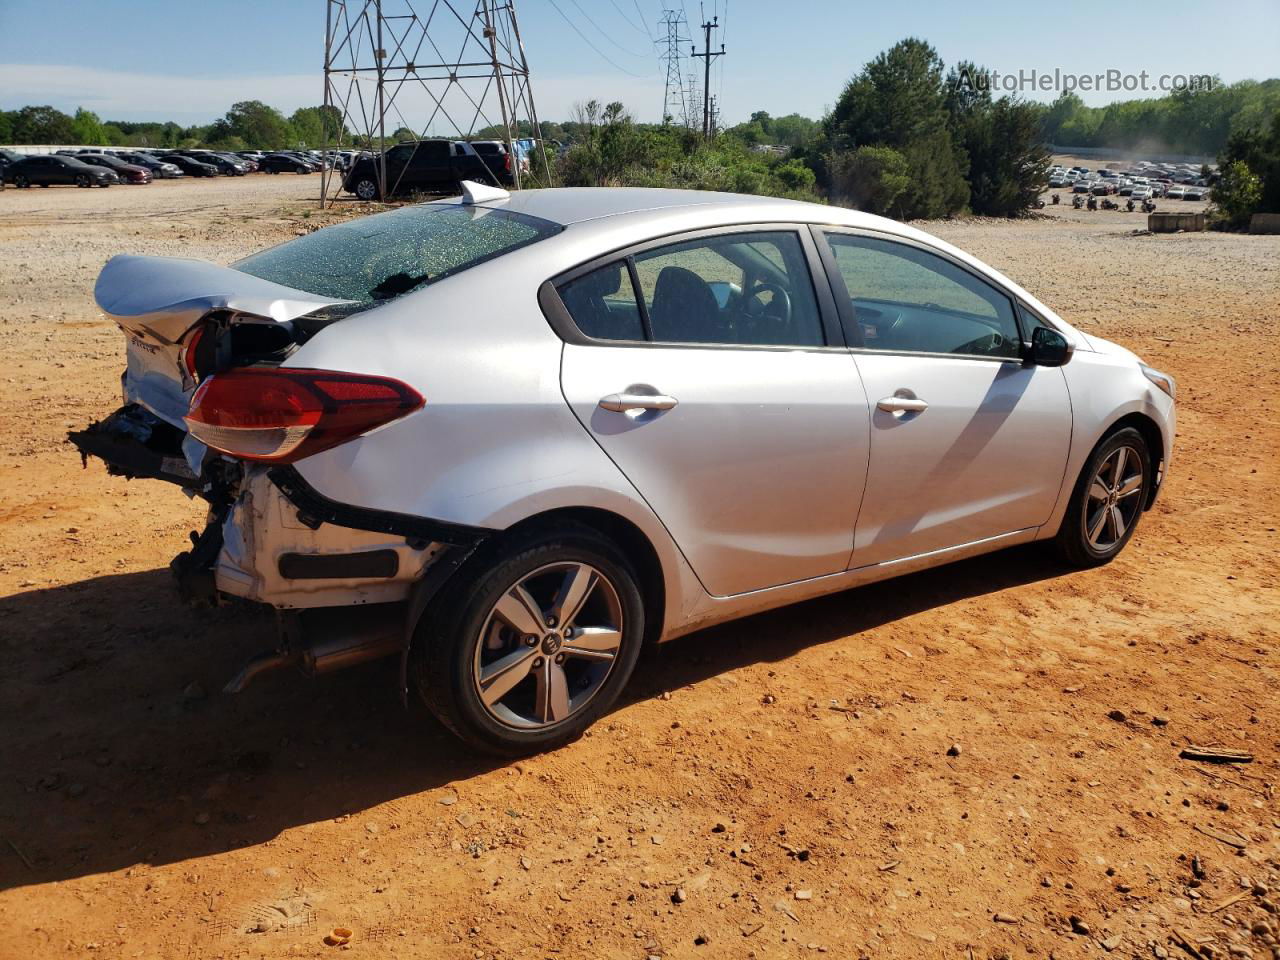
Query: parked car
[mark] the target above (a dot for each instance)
(127, 172)
(192, 168)
(159, 169)
(7, 157)
(312, 164)
(1103, 188)
(600, 350)
(223, 164)
(1082, 186)
(499, 161)
(280, 163)
(417, 165)
(46, 170)
(1195, 192)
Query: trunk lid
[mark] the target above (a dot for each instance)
(161, 303)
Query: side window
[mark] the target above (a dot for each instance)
(1030, 321)
(909, 300)
(400, 153)
(603, 304)
(738, 288)
(431, 153)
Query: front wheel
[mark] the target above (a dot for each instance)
(21, 182)
(366, 189)
(1107, 501)
(83, 180)
(534, 643)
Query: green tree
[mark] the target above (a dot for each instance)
(898, 101)
(6, 126)
(86, 128)
(258, 125)
(42, 124)
(1237, 194)
(308, 127)
(873, 179)
(1258, 150)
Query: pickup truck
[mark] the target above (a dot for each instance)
(418, 166)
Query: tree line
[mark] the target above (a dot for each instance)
(248, 125)
(1187, 121)
(906, 138)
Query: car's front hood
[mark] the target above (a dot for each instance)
(1107, 348)
(164, 297)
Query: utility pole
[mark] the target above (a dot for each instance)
(707, 55)
(674, 21)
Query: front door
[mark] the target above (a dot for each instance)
(702, 368)
(967, 442)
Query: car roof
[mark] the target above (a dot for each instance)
(570, 205)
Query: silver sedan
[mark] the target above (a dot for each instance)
(510, 439)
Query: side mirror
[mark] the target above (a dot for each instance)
(1049, 348)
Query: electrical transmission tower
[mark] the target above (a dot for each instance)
(456, 68)
(707, 56)
(674, 92)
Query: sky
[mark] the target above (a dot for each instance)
(161, 59)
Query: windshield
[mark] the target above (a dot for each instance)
(375, 259)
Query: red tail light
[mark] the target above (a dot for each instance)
(279, 414)
(189, 354)
(506, 163)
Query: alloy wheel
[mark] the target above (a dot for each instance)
(548, 645)
(366, 190)
(1113, 499)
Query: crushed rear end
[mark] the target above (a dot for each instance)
(268, 539)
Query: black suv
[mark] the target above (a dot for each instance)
(418, 166)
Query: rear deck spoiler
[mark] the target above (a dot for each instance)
(164, 297)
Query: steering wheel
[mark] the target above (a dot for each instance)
(778, 308)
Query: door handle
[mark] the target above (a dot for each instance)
(622, 402)
(903, 404)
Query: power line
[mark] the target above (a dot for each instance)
(631, 23)
(636, 3)
(585, 39)
(605, 33)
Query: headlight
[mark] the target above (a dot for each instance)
(1161, 380)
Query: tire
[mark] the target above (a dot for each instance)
(465, 636)
(366, 189)
(299, 170)
(83, 180)
(21, 182)
(1098, 507)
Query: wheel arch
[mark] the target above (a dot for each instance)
(1154, 438)
(629, 538)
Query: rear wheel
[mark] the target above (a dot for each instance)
(1107, 501)
(534, 644)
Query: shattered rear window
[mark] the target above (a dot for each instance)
(375, 259)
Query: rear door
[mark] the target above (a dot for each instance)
(967, 442)
(712, 371)
(430, 165)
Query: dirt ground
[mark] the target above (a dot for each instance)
(778, 787)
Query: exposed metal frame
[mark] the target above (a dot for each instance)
(375, 49)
